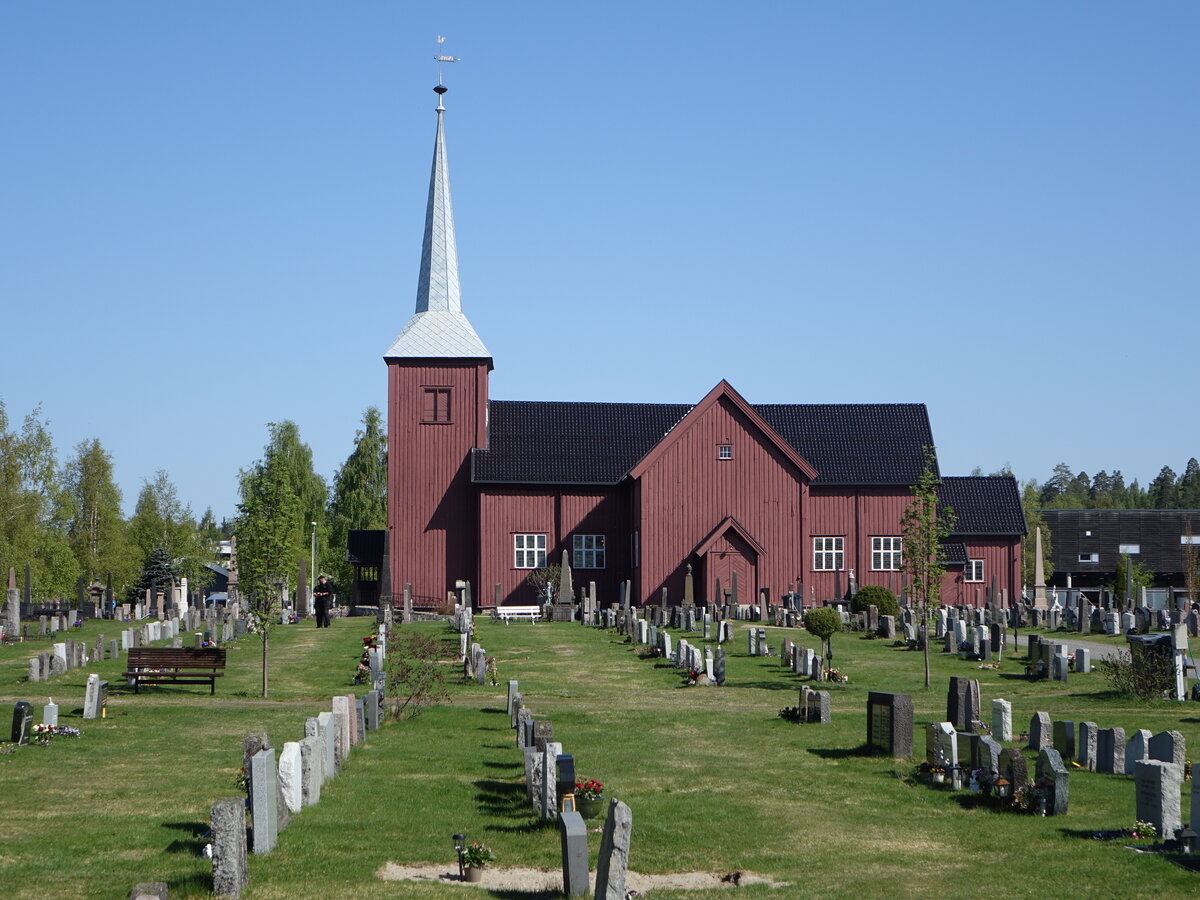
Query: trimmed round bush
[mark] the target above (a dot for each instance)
(878, 596)
(823, 622)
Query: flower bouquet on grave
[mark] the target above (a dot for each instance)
(43, 733)
(589, 798)
(837, 676)
(1143, 831)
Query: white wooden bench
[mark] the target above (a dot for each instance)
(507, 613)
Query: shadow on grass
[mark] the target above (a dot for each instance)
(199, 832)
(525, 895)
(493, 711)
(762, 685)
(501, 765)
(502, 798)
(840, 752)
(529, 826)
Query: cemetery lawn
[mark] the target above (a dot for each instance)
(717, 782)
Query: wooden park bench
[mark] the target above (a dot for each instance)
(506, 613)
(176, 665)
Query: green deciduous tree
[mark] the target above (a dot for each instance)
(34, 508)
(359, 493)
(823, 622)
(1033, 520)
(97, 528)
(924, 525)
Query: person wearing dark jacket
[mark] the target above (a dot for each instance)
(322, 598)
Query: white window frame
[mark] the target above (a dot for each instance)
(829, 553)
(886, 553)
(973, 571)
(529, 551)
(587, 551)
(724, 452)
(1089, 557)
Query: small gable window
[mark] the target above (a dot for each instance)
(724, 451)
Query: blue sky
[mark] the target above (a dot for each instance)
(211, 217)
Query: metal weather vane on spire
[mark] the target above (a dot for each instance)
(442, 60)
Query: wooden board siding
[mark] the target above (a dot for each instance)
(1001, 558)
(687, 491)
(559, 514)
(857, 515)
(432, 515)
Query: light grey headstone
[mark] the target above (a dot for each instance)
(312, 769)
(342, 709)
(533, 775)
(1040, 735)
(35, 669)
(1138, 748)
(91, 701)
(263, 801)
(1157, 787)
(573, 836)
(613, 861)
(1050, 768)
(291, 776)
(1002, 720)
(549, 796)
(512, 693)
(327, 731)
(229, 846)
(1083, 660)
(1170, 747)
(1086, 746)
(150, 890)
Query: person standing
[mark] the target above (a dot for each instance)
(322, 598)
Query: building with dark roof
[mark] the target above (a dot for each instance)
(746, 499)
(1087, 543)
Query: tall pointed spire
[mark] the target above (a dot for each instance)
(438, 327)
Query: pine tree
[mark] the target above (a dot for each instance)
(158, 574)
(1163, 491)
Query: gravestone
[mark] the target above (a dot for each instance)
(371, 709)
(1083, 660)
(572, 832)
(312, 769)
(50, 713)
(1110, 751)
(92, 697)
(291, 776)
(1137, 748)
(543, 732)
(1050, 768)
(1086, 746)
(1157, 786)
(327, 731)
(1169, 747)
(613, 861)
(1002, 720)
(1039, 731)
(941, 744)
(254, 743)
(987, 754)
(1064, 739)
(890, 724)
(719, 666)
(548, 801)
(513, 692)
(962, 703)
(22, 721)
(1014, 767)
(150, 890)
(229, 846)
(264, 809)
(814, 706)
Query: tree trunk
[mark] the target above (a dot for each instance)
(266, 636)
(925, 643)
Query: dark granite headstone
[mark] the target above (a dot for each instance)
(890, 724)
(1050, 769)
(1014, 767)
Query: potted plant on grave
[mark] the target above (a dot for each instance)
(475, 857)
(589, 798)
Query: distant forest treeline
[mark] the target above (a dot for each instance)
(1065, 489)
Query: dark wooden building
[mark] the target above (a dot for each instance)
(1087, 543)
(767, 497)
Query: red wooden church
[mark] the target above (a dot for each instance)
(772, 498)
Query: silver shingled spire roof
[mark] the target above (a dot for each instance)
(438, 328)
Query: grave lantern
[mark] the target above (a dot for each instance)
(1187, 839)
(1003, 788)
(566, 782)
(460, 845)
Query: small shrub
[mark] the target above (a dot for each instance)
(1146, 673)
(878, 596)
(414, 676)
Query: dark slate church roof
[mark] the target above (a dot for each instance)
(983, 504)
(532, 442)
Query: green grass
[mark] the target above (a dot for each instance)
(716, 781)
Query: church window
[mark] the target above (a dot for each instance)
(829, 554)
(973, 571)
(724, 451)
(529, 551)
(885, 554)
(587, 551)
